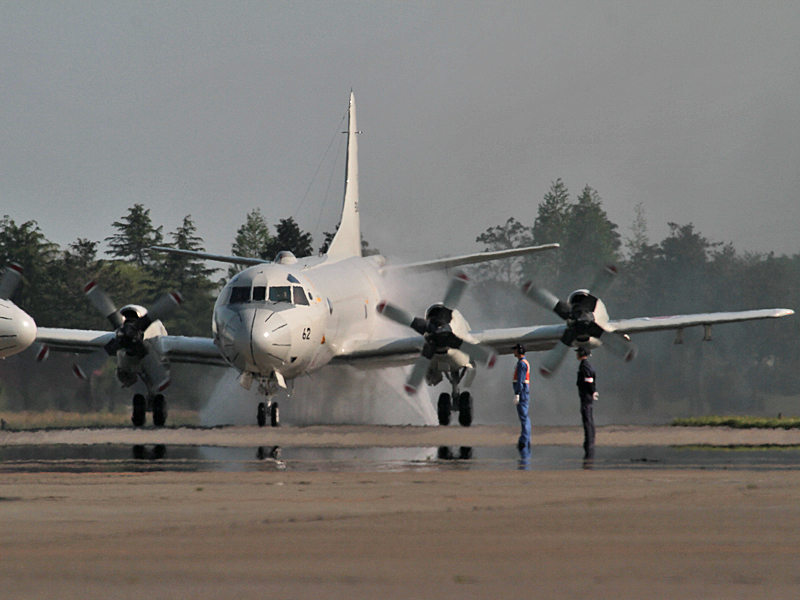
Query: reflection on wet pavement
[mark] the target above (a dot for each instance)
(141, 458)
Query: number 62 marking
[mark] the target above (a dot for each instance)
(307, 333)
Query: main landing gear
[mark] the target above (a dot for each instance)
(460, 402)
(270, 408)
(156, 404)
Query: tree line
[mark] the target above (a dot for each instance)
(744, 366)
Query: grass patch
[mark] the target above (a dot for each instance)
(53, 419)
(739, 422)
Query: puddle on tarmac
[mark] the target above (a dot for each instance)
(119, 458)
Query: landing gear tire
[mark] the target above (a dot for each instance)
(443, 409)
(139, 410)
(159, 410)
(274, 415)
(261, 414)
(465, 409)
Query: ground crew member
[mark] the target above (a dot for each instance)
(588, 394)
(521, 382)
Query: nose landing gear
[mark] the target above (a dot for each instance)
(270, 408)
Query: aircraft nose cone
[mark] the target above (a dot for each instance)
(17, 330)
(26, 332)
(255, 340)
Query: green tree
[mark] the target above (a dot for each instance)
(135, 235)
(252, 239)
(28, 246)
(512, 234)
(289, 237)
(190, 277)
(591, 240)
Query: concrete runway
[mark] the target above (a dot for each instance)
(453, 533)
(378, 436)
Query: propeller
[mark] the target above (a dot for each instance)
(585, 318)
(437, 332)
(10, 280)
(129, 329)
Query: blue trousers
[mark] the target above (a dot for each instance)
(524, 442)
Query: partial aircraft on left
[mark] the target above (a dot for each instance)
(17, 328)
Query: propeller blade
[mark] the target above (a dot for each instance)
(619, 346)
(417, 374)
(103, 303)
(89, 363)
(553, 359)
(458, 284)
(164, 305)
(480, 354)
(398, 315)
(10, 280)
(603, 280)
(155, 373)
(546, 299)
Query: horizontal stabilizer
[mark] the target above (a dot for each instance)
(236, 260)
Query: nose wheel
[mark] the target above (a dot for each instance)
(271, 409)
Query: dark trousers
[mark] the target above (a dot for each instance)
(588, 427)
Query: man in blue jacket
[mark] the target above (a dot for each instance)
(521, 383)
(588, 394)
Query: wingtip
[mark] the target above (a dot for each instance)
(546, 373)
(410, 390)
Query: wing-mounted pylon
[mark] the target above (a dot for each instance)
(436, 328)
(586, 321)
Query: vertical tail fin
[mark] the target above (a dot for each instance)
(347, 241)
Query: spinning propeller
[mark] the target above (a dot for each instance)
(437, 331)
(10, 280)
(586, 318)
(130, 324)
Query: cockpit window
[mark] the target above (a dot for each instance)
(259, 293)
(281, 293)
(299, 295)
(240, 294)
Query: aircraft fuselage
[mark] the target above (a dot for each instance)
(294, 320)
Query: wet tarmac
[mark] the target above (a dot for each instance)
(117, 458)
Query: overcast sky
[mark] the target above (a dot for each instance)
(469, 110)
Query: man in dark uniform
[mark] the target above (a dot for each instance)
(521, 383)
(588, 394)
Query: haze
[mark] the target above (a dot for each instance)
(468, 110)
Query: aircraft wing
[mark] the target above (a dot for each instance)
(175, 348)
(404, 351)
(467, 259)
(389, 352)
(642, 324)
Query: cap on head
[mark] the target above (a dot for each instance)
(519, 348)
(583, 352)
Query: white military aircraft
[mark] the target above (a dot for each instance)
(17, 328)
(275, 321)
